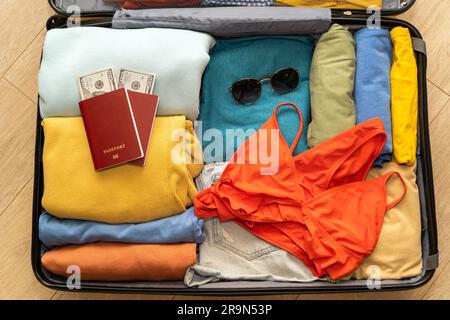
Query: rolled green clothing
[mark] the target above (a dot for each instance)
(331, 84)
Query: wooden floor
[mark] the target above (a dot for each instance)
(21, 38)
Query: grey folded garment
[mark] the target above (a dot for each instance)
(230, 21)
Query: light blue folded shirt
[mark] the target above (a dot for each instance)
(177, 57)
(372, 82)
(186, 227)
(252, 57)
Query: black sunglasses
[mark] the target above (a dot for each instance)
(249, 90)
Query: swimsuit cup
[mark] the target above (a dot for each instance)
(317, 205)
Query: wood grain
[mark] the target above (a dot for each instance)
(24, 73)
(440, 149)
(17, 280)
(440, 289)
(20, 23)
(432, 19)
(436, 100)
(16, 142)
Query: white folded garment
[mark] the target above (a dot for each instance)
(178, 57)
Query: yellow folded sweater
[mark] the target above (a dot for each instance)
(124, 194)
(339, 4)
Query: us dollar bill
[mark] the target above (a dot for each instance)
(97, 83)
(137, 81)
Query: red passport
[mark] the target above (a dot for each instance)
(111, 129)
(144, 108)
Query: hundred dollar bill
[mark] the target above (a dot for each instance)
(96, 84)
(137, 81)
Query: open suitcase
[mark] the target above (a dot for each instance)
(96, 13)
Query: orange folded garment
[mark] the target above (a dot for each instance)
(337, 4)
(123, 262)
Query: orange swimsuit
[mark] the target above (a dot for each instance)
(317, 205)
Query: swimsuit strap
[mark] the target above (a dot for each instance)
(385, 179)
(300, 129)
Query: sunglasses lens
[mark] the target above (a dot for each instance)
(285, 80)
(246, 91)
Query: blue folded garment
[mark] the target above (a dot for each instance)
(186, 227)
(253, 57)
(372, 82)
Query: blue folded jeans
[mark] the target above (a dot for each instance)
(186, 227)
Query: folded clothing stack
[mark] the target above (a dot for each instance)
(127, 222)
(122, 204)
(124, 194)
(370, 75)
(323, 214)
(394, 251)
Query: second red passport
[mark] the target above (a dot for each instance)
(111, 129)
(119, 126)
(144, 107)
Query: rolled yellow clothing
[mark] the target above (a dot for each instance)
(404, 91)
(122, 262)
(338, 4)
(127, 193)
(398, 253)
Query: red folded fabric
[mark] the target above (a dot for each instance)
(141, 4)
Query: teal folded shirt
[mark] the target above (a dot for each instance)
(252, 57)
